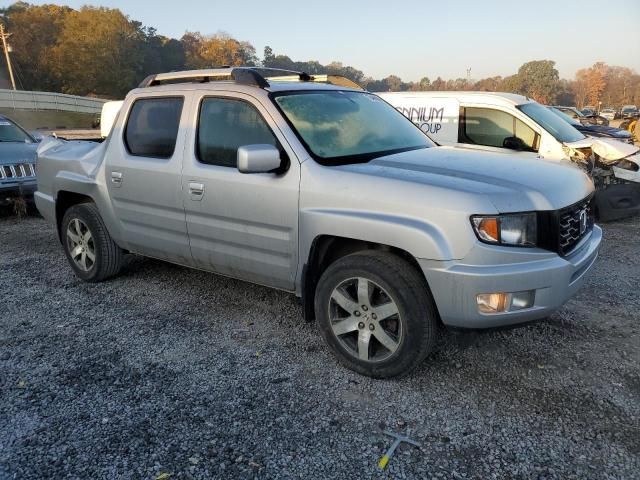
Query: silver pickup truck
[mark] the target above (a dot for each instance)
(311, 185)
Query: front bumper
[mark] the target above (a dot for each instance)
(487, 269)
(11, 190)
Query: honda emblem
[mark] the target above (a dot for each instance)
(583, 221)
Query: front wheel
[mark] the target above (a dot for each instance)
(376, 313)
(91, 251)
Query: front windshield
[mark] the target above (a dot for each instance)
(340, 127)
(556, 126)
(565, 117)
(10, 132)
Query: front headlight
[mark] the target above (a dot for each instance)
(520, 229)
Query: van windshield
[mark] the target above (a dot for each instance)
(341, 127)
(556, 126)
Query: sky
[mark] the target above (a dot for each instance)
(411, 38)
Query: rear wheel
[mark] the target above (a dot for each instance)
(91, 251)
(376, 313)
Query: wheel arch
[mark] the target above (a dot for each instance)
(326, 249)
(65, 199)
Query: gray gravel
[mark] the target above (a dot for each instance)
(175, 371)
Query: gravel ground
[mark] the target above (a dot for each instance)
(167, 370)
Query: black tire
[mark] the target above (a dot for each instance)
(400, 282)
(108, 256)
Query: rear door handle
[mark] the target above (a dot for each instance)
(196, 190)
(116, 178)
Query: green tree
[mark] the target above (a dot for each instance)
(35, 32)
(267, 56)
(159, 53)
(490, 84)
(511, 84)
(394, 83)
(97, 52)
(539, 80)
(438, 84)
(210, 51)
(424, 84)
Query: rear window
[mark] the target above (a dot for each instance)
(152, 127)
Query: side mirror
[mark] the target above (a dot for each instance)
(514, 143)
(260, 158)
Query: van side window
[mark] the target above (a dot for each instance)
(490, 127)
(224, 126)
(152, 126)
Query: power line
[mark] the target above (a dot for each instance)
(4, 35)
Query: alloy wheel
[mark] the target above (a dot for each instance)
(81, 245)
(365, 319)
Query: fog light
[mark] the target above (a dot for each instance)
(492, 302)
(520, 300)
(505, 302)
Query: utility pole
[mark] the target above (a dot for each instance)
(5, 47)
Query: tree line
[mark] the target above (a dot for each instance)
(101, 52)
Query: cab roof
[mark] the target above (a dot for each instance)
(269, 79)
(274, 87)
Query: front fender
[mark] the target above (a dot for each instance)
(417, 237)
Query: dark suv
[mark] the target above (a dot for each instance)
(17, 162)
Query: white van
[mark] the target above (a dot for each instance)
(516, 125)
(108, 116)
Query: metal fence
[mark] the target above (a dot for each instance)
(23, 100)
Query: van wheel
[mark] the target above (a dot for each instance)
(91, 251)
(376, 313)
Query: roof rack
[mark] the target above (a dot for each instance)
(258, 77)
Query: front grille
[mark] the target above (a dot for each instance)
(574, 223)
(19, 170)
(560, 230)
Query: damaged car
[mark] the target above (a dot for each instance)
(17, 163)
(514, 124)
(601, 131)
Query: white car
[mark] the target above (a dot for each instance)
(518, 126)
(608, 113)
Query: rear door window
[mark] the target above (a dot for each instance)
(490, 127)
(152, 126)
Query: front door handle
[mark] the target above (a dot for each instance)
(196, 190)
(116, 178)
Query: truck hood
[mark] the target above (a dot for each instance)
(511, 184)
(17, 152)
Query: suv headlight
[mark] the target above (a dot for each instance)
(520, 229)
